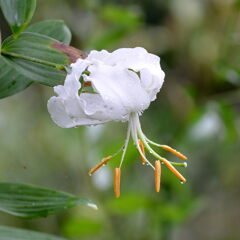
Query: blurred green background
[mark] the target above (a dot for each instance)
(197, 112)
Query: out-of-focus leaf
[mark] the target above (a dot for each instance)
(120, 21)
(32, 202)
(7, 233)
(18, 13)
(56, 29)
(83, 226)
(120, 15)
(228, 118)
(128, 203)
(176, 213)
(227, 73)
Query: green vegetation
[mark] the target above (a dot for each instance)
(197, 112)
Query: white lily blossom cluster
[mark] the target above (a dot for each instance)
(115, 86)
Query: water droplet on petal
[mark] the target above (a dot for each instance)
(182, 182)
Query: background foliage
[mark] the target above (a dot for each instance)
(197, 112)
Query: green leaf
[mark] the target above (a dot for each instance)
(17, 74)
(18, 13)
(32, 202)
(39, 72)
(82, 226)
(128, 203)
(7, 233)
(11, 81)
(33, 57)
(35, 47)
(56, 29)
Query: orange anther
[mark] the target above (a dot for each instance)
(142, 150)
(104, 161)
(173, 169)
(157, 175)
(175, 152)
(117, 182)
(87, 84)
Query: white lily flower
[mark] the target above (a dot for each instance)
(123, 84)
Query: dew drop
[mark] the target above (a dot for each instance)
(182, 182)
(92, 205)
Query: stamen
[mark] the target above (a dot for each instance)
(157, 175)
(103, 162)
(143, 151)
(133, 125)
(175, 152)
(173, 169)
(125, 145)
(117, 182)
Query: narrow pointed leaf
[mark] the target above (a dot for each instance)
(56, 29)
(18, 13)
(9, 233)
(33, 202)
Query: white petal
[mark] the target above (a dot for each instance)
(72, 83)
(151, 83)
(120, 88)
(138, 59)
(96, 107)
(135, 58)
(58, 113)
(97, 56)
(69, 113)
(89, 109)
